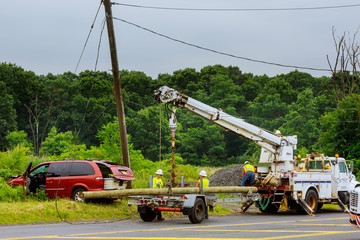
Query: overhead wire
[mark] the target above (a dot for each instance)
(238, 9)
(88, 37)
(98, 50)
(222, 53)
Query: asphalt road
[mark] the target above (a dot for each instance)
(253, 225)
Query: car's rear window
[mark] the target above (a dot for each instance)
(70, 169)
(105, 171)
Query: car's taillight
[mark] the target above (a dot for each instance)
(99, 180)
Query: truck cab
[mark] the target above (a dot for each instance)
(344, 180)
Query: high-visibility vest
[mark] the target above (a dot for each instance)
(205, 183)
(249, 167)
(156, 181)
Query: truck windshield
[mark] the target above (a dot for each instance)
(342, 167)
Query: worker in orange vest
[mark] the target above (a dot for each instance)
(248, 173)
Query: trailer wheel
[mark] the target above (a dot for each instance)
(148, 215)
(198, 211)
(311, 199)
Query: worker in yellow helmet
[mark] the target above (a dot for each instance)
(248, 173)
(204, 179)
(278, 133)
(327, 166)
(205, 183)
(158, 183)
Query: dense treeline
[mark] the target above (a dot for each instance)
(43, 111)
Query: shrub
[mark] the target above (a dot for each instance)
(10, 194)
(14, 162)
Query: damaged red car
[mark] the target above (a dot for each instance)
(67, 178)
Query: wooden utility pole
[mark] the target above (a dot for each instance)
(117, 84)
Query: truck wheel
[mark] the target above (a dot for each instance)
(344, 197)
(271, 208)
(311, 199)
(198, 211)
(148, 215)
(320, 205)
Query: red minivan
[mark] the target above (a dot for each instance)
(69, 177)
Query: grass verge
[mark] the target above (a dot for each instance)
(33, 211)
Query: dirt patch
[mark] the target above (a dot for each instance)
(228, 176)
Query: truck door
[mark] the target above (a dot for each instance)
(343, 176)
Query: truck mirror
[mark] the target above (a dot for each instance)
(351, 166)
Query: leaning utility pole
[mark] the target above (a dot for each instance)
(117, 84)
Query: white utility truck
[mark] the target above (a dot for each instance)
(282, 181)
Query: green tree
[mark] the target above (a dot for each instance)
(23, 86)
(277, 85)
(7, 114)
(90, 106)
(145, 132)
(138, 90)
(268, 113)
(57, 143)
(16, 138)
(302, 120)
(203, 146)
(340, 129)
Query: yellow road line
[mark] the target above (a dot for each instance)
(180, 228)
(272, 231)
(324, 224)
(308, 235)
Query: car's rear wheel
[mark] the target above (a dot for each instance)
(75, 195)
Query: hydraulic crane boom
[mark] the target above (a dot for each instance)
(274, 149)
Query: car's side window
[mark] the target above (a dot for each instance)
(39, 170)
(59, 169)
(81, 169)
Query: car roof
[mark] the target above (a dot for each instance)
(107, 163)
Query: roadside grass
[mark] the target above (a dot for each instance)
(50, 211)
(34, 211)
(330, 207)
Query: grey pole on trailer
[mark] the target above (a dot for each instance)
(151, 182)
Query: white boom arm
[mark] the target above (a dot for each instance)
(275, 149)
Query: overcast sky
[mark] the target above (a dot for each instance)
(46, 36)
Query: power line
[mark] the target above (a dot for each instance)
(223, 53)
(98, 50)
(87, 39)
(239, 9)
